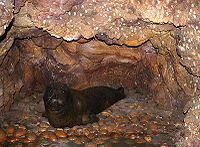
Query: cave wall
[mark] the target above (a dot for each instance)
(159, 75)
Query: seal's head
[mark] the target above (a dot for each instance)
(55, 97)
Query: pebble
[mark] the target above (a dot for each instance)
(2, 135)
(148, 138)
(72, 138)
(129, 141)
(60, 134)
(42, 129)
(103, 132)
(44, 141)
(107, 114)
(63, 140)
(49, 134)
(22, 127)
(52, 136)
(44, 125)
(12, 139)
(153, 127)
(91, 135)
(79, 131)
(18, 144)
(140, 140)
(45, 134)
(10, 129)
(5, 124)
(19, 133)
(164, 145)
(104, 137)
(98, 141)
(90, 144)
(31, 137)
(30, 145)
(115, 135)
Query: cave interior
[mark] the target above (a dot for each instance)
(89, 43)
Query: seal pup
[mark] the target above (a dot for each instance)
(66, 107)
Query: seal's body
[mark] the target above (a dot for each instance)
(66, 107)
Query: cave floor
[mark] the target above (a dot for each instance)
(133, 121)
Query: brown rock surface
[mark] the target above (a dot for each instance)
(10, 129)
(6, 15)
(19, 133)
(2, 135)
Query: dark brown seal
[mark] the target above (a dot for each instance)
(66, 107)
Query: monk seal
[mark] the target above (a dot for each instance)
(66, 107)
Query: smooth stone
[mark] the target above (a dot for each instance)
(31, 136)
(45, 134)
(52, 136)
(10, 129)
(19, 133)
(12, 139)
(148, 138)
(72, 138)
(98, 141)
(44, 141)
(91, 135)
(115, 135)
(44, 125)
(60, 134)
(2, 135)
(30, 145)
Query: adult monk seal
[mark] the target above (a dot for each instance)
(66, 107)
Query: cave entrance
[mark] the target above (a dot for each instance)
(151, 113)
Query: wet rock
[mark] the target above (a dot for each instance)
(45, 134)
(10, 129)
(18, 144)
(91, 135)
(19, 133)
(30, 145)
(12, 139)
(2, 135)
(98, 141)
(60, 133)
(52, 136)
(91, 144)
(31, 137)
(49, 134)
(72, 138)
(148, 138)
(115, 135)
(63, 140)
(44, 125)
(44, 141)
(129, 141)
(5, 124)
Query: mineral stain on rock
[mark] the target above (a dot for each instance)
(66, 107)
